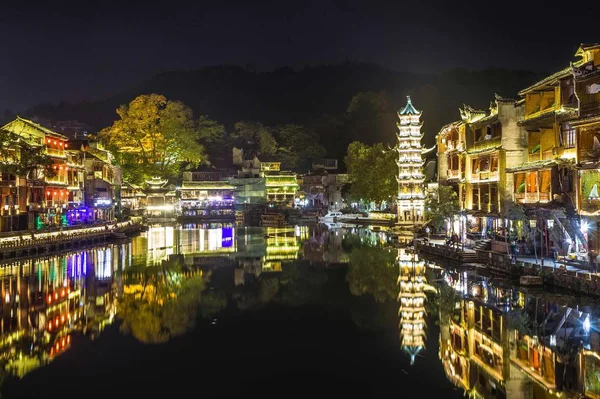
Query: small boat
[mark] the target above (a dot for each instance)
(531, 281)
(334, 216)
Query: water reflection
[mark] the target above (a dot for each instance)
(151, 282)
(495, 340)
(412, 281)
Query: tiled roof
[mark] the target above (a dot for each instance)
(11, 127)
(563, 73)
(533, 165)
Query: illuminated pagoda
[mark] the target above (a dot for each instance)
(413, 283)
(411, 192)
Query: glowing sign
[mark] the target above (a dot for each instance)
(102, 202)
(227, 237)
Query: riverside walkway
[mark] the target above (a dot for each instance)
(28, 243)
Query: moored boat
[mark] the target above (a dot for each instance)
(531, 281)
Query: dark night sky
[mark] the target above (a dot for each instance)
(79, 52)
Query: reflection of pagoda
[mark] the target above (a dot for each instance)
(412, 282)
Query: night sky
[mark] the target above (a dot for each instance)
(89, 50)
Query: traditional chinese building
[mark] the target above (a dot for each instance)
(160, 198)
(206, 194)
(47, 197)
(411, 190)
(586, 131)
(553, 180)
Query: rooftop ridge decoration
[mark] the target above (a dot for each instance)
(409, 108)
(469, 114)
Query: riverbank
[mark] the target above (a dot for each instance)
(554, 274)
(37, 243)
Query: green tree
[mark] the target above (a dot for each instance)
(333, 131)
(373, 271)
(371, 118)
(255, 134)
(442, 207)
(161, 134)
(214, 138)
(299, 147)
(372, 172)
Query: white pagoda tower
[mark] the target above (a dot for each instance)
(411, 188)
(412, 298)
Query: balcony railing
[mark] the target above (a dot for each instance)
(551, 108)
(57, 180)
(544, 155)
(486, 175)
(456, 145)
(482, 145)
(532, 197)
(54, 152)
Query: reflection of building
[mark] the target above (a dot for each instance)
(412, 298)
(263, 250)
(46, 300)
(196, 244)
(489, 347)
(411, 191)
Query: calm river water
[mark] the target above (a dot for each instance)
(304, 311)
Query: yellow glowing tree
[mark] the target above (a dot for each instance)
(153, 137)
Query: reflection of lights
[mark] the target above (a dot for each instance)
(584, 226)
(160, 207)
(553, 340)
(586, 324)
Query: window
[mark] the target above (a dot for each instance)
(568, 137)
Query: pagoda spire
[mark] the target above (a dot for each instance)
(409, 108)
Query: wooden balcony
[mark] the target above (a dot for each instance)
(485, 176)
(453, 174)
(589, 107)
(54, 152)
(549, 109)
(530, 198)
(483, 145)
